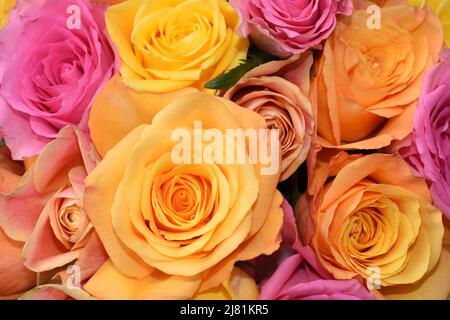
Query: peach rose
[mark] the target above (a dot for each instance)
(14, 276)
(369, 77)
(10, 171)
(168, 45)
(154, 215)
(45, 209)
(278, 91)
(370, 213)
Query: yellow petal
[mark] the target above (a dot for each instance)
(434, 286)
(156, 286)
(119, 109)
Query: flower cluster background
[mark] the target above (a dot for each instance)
(343, 191)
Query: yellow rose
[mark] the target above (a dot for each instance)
(165, 45)
(174, 230)
(240, 286)
(442, 9)
(5, 8)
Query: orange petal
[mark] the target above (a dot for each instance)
(14, 276)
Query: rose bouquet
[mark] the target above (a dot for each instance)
(213, 149)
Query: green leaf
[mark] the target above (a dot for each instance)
(255, 58)
(230, 78)
(2, 143)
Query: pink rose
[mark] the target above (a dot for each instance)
(300, 276)
(45, 210)
(283, 27)
(54, 58)
(427, 149)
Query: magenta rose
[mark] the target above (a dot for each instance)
(300, 276)
(55, 56)
(283, 27)
(428, 148)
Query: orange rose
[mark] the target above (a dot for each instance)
(442, 9)
(369, 213)
(154, 215)
(369, 78)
